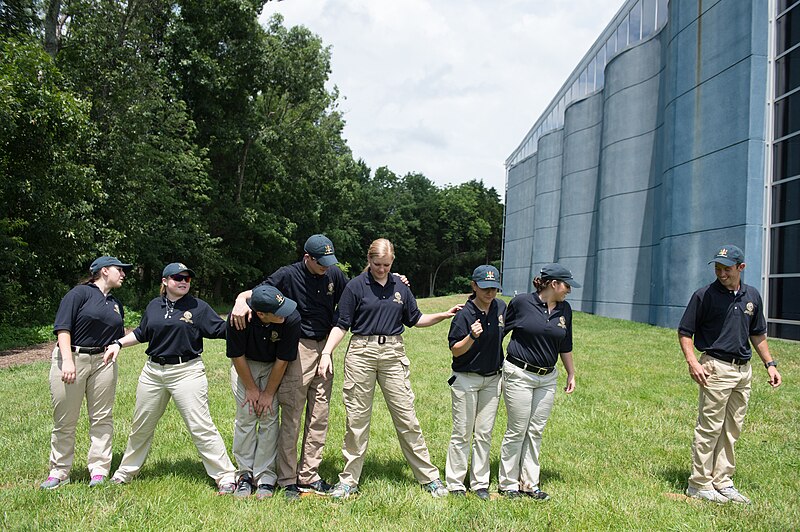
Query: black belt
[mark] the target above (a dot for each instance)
(172, 359)
(530, 367)
(730, 359)
(87, 350)
(492, 374)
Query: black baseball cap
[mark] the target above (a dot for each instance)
(267, 298)
(176, 267)
(559, 273)
(320, 248)
(486, 276)
(729, 255)
(107, 260)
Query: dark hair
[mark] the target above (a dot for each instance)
(92, 277)
(540, 284)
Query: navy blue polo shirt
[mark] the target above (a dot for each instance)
(537, 337)
(316, 295)
(723, 322)
(485, 356)
(265, 342)
(181, 331)
(367, 308)
(93, 319)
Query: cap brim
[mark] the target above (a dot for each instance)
(725, 262)
(287, 308)
(327, 260)
(489, 284)
(573, 283)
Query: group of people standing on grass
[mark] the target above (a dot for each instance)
(281, 336)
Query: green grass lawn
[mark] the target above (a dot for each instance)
(615, 454)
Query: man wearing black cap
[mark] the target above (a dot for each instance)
(259, 354)
(316, 284)
(722, 317)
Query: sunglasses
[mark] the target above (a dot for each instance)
(179, 278)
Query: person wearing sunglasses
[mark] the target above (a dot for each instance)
(174, 325)
(88, 319)
(476, 343)
(540, 324)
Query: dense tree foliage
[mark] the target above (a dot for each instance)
(162, 130)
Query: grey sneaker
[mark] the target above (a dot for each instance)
(97, 480)
(436, 489)
(226, 488)
(511, 494)
(244, 487)
(482, 494)
(52, 483)
(291, 492)
(118, 481)
(706, 495)
(537, 494)
(264, 491)
(458, 493)
(733, 495)
(343, 491)
(320, 487)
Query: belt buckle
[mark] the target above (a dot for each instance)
(160, 360)
(541, 371)
(381, 339)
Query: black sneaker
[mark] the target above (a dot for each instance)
(458, 493)
(510, 494)
(482, 494)
(244, 487)
(291, 492)
(320, 487)
(537, 494)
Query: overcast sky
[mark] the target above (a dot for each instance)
(443, 87)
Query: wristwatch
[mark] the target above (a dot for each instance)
(771, 364)
(118, 343)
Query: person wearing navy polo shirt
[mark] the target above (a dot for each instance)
(88, 319)
(316, 284)
(259, 355)
(174, 325)
(476, 342)
(377, 308)
(723, 318)
(540, 324)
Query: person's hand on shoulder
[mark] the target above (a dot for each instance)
(240, 314)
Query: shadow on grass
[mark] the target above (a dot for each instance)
(545, 475)
(189, 469)
(676, 478)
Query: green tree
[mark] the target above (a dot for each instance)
(47, 188)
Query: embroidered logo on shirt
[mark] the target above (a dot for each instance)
(500, 321)
(116, 308)
(330, 289)
(398, 298)
(187, 317)
(749, 308)
(562, 322)
(274, 337)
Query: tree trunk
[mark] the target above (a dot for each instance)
(52, 27)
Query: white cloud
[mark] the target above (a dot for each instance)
(443, 87)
